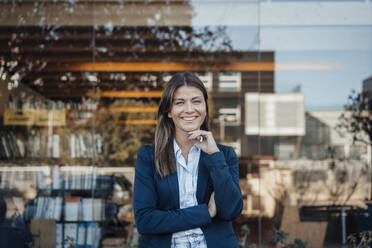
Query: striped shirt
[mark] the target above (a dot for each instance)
(187, 183)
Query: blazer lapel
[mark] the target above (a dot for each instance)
(202, 179)
(173, 186)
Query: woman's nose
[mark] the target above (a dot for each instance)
(189, 107)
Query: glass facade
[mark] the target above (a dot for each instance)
(80, 82)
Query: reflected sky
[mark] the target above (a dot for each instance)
(327, 56)
(323, 46)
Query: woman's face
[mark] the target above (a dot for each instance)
(188, 109)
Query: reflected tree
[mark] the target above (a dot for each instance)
(357, 121)
(39, 42)
(121, 142)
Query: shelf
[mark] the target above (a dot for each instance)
(98, 193)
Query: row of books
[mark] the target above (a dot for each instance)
(55, 178)
(69, 180)
(85, 145)
(74, 209)
(84, 209)
(84, 179)
(78, 235)
(33, 103)
(87, 104)
(43, 145)
(11, 146)
(40, 145)
(14, 176)
(45, 208)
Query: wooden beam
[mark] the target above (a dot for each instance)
(138, 122)
(103, 94)
(164, 66)
(128, 94)
(134, 109)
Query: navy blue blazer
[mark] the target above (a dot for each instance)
(156, 200)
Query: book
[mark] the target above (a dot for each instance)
(87, 207)
(58, 208)
(91, 235)
(72, 145)
(5, 146)
(70, 236)
(55, 147)
(72, 208)
(83, 148)
(82, 235)
(11, 146)
(98, 209)
(56, 179)
(49, 206)
(49, 146)
(59, 237)
(39, 207)
(13, 141)
(11, 178)
(21, 148)
(3, 178)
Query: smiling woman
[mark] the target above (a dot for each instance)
(186, 189)
(176, 96)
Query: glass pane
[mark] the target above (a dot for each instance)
(322, 53)
(80, 85)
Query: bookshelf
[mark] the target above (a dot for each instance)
(77, 204)
(78, 196)
(51, 151)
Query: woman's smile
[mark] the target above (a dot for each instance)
(189, 119)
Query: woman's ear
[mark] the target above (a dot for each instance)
(169, 115)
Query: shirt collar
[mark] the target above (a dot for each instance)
(177, 149)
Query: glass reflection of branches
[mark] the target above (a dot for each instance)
(42, 48)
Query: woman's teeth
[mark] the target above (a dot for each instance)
(189, 118)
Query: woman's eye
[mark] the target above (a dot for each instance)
(179, 103)
(197, 101)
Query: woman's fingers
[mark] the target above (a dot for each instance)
(199, 133)
(204, 139)
(212, 206)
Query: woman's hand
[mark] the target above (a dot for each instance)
(206, 143)
(212, 206)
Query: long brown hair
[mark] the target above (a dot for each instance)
(165, 131)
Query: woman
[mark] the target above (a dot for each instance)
(186, 189)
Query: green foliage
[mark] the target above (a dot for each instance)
(70, 241)
(245, 230)
(122, 141)
(361, 240)
(131, 246)
(297, 243)
(279, 237)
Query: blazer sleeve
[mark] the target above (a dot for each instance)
(224, 171)
(149, 219)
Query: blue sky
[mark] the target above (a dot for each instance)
(324, 46)
(328, 62)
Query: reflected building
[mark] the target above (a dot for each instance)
(323, 140)
(81, 82)
(129, 61)
(367, 86)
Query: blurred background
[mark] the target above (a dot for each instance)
(290, 85)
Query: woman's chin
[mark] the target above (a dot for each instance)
(191, 128)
